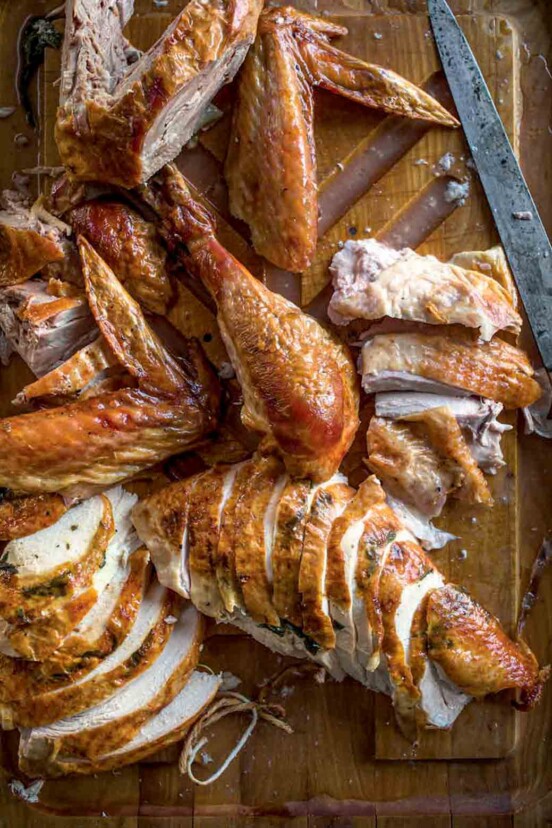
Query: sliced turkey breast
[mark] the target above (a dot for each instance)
(44, 329)
(206, 504)
(119, 125)
(224, 552)
(476, 417)
(343, 548)
(371, 581)
(291, 518)
(161, 730)
(43, 702)
(161, 520)
(266, 477)
(83, 611)
(112, 723)
(451, 364)
(371, 280)
(327, 505)
(381, 530)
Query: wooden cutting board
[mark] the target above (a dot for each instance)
(337, 762)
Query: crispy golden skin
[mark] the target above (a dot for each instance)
(475, 652)
(130, 246)
(493, 369)
(327, 503)
(250, 540)
(71, 377)
(20, 516)
(298, 380)
(23, 252)
(96, 442)
(271, 164)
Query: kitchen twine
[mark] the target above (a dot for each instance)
(230, 702)
(227, 704)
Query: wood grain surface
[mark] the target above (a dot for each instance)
(347, 765)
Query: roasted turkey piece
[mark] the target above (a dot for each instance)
(271, 162)
(371, 603)
(371, 280)
(297, 378)
(448, 364)
(423, 458)
(130, 246)
(93, 443)
(119, 123)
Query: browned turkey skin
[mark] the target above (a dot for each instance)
(298, 380)
(271, 162)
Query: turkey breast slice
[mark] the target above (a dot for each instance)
(88, 610)
(112, 723)
(45, 702)
(41, 569)
(327, 505)
(111, 577)
(161, 520)
(224, 554)
(440, 700)
(291, 518)
(343, 546)
(448, 364)
(206, 505)
(372, 281)
(249, 539)
(163, 729)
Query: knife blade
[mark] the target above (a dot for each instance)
(519, 226)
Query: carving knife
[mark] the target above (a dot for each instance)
(516, 217)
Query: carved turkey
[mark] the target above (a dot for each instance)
(334, 577)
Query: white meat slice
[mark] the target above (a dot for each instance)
(103, 583)
(161, 521)
(441, 700)
(372, 281)
(270, 523)
(61, 544)
(344, 625)
(160, 731)
(145, 640)
(113, 574)
(112, 723)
